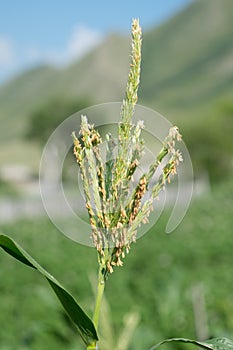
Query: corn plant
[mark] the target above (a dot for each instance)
(116, 204)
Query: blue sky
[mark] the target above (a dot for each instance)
(59, 31)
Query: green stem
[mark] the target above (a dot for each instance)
(99, 296)
(92, 347)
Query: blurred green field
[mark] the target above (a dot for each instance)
(156, 281)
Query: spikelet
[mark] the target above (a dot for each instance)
(115, 212)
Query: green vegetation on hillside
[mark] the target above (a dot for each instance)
(187, 60)
(7, 189)
(45, 119)
(210, 142)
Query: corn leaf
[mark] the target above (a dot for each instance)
(84, 325)
(212, 344)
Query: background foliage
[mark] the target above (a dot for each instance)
(156, 281)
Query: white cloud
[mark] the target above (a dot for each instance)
(33, 54)
(6, 52)
(82, 40)
(14, 58)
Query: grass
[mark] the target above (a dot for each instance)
(8, 190)
(21, 152)
(156, 282)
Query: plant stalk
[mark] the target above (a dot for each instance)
(98, 300)
(99, 296)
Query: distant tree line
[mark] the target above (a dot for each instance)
(210, 143)
(44, 120)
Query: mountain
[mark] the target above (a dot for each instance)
(101, 75)
(187, 71)
(188, 60)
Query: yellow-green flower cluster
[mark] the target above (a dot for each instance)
(115, 212)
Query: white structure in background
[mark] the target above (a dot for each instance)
(15, 173)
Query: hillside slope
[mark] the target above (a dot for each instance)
(188, 61)
(187, 72)
(101, 76)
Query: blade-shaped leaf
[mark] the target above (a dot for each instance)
(85, 326)
(213, 344)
